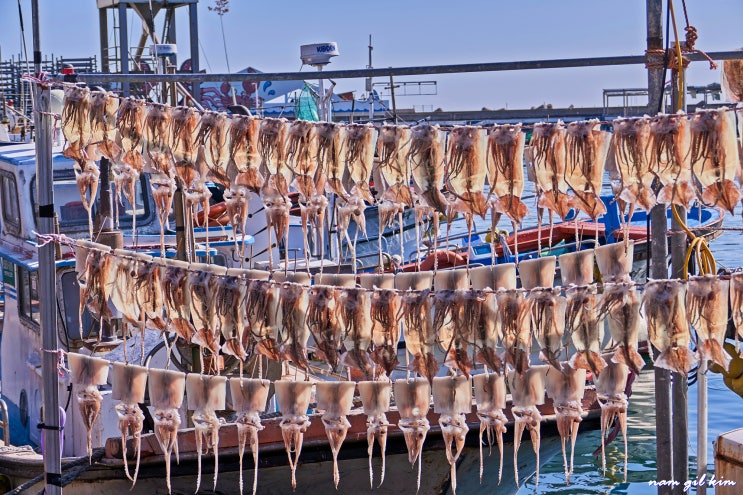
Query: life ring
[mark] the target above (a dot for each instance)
(217, 216)
(443, 259)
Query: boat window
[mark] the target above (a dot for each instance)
(11, 211)
(28, 295)
(70, 210)
(71, 297)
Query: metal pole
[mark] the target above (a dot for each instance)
(394, 102)
(659, 267)
(680, 387)
(47, 276)
(103, 35)
(193, 37)
(370, 82)
(323, 115)
(124, 40)
(400, 71)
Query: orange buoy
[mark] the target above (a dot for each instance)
(445, 259)
(217, 216)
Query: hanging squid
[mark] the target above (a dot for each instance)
(420, 336)
(293, 329)
(621, 305)
(668, 326)
(452, 399)
(565, 386)
(262, 305)
(505, 171)
(128, 387)
(206, 395)
(630, 148)
(707, 311)
(426, 157)
(610, 392)
(385, 316)
(466, 169)
(272, 137)
(177, 301)
(323, 320)
(249, 397)
(490, 397)
(583, 321)
(412, 398)
(336, 399)
(87, 373)
(166, 390)
(527, 392)
(375, 398)
(293, 399)
(214, 148)
(244, 158)
(514, 317)
(670, 158)
(355, 311)
(547, 308)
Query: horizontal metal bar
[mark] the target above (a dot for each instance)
(391, 71)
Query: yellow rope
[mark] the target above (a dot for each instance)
(679, 59)
(698, 247)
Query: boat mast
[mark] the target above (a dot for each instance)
(47, 280)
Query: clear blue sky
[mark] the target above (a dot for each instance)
(267, 35)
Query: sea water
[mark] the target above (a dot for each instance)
(723, 412)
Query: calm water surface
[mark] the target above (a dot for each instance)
(723, 411)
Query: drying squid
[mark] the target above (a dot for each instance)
(480, 314)
(360, 144)
(586, 149)
(375, 398)
(178, 301)
(206, 395)
(272, 135)
(707, 311)
(549, 159)
(293, 399)
(670, 158)
(385, 316)
(166, 390)
(104, 107)
(547, 308)
(514, 318)
(630, 147)
(130, 126)
(583, 321)
(226, 313)
(331, 162)
(668, 327)
(150, 297)
(420, 335)
(277, 214)
(243, 152)
(454, 328)
(490, 397)
(128, 387)
(76, 123)
(214, 149)
(200, 288)
(736, 302)
(323, 320)
(452, 399)
(97, 285)
(122, 298)
(714, 156)
(393, 149)
(262, 304)
(158, 138)
(336, 399)
(610, 392)
(87, 177)
(505, 171)
(301, 156)
(163, 190)
(249, 400)
(426, 157)
(351, 209)
(621, 305)
(565, 386)
(412, 398)
(293, 330)
(184, 145)
(355, 312)
(527, 392)
(466, 169)
(236, 201)
(87, 373)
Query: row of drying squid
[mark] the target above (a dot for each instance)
(473, 317)
(692, 157)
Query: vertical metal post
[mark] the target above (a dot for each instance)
(680, 387)
(193, 37)
(47, 275)
(321, 84)
(659, 253)
(394, 102)
(103, 34)
(124, 49)
(370, 83)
